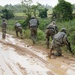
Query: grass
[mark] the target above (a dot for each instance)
(19, 14)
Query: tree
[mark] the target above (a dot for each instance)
(27, 11)
(43, 13)
(63, 11)
(27, 5)
(7, 14)
(1, 8)
(34, 7)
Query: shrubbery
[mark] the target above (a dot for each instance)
(40, 35)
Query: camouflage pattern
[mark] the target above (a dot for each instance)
(58, 41)
(51, 30)
(33, 22)
(49, 33)
(4, 26)
(18, 29)
(33, 33)
(33, 25)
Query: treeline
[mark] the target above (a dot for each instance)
(20, 8)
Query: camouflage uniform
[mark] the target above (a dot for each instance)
(59, 39)
(4, 26)
(18, 29)
(33, 25)
(50, 31)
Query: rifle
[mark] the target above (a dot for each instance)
(69, 47)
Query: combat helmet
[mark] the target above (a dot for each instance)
(33, 17)
(63, 30)
(3, 19)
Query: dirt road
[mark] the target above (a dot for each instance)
(18, 58)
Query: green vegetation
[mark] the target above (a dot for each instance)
(43, 13)
(63, 11)
(7, 14)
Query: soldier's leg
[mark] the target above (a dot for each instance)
(47, 41)
(4, 34)
(51, 49)
(32, 35)
(21, 34)
(58, 51)
(17, 33)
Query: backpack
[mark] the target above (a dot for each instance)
(50, 27)
(18, 25)
(33, 22)
(59, 37)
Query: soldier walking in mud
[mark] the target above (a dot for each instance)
(18, 29)
(4, 27)
(58, 41)
(33, 25)
(50, 31)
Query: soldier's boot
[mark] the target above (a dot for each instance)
(57, 54)
(50, 53)
(47, 45)
(21, 36)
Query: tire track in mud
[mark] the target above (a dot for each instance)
(53, 69)
(24, 51)
(23, 70)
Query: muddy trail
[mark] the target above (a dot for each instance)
(18, 58)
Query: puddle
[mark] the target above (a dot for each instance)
(10, 58)
(70, 72)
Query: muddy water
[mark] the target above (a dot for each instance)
(27, 65)
(11, 61)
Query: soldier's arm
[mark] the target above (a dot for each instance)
(69, 47)
(15, 27)
(56, 28)
(6, 25)
(37, 23)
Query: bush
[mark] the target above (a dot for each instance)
(73, 37)
(63, 11)
(40, 35)
(26, 33)
(43, 13)
(8, 14)
(43, 23)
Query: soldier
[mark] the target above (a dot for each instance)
(18, 29)
(50, 31)
(33, 25)
(4, 26)
(59, 39)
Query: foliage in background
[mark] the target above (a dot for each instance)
(43, 13)
(7, 14)
(63, 11)
(40, 35)
(43, 22)
(26, 22)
